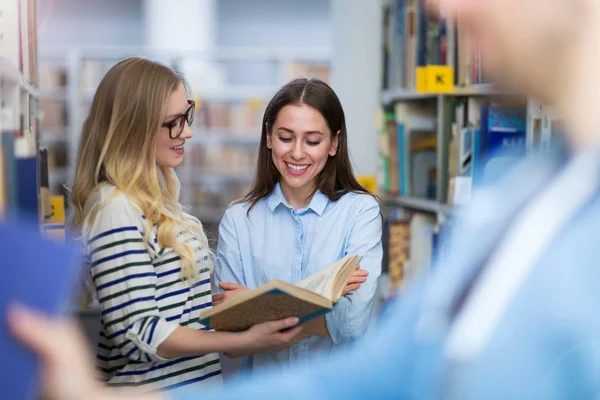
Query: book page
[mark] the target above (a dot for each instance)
(323, 281)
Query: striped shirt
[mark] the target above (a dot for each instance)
(143, 299)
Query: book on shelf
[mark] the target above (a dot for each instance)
(487, 140)
(308, 299)
(411, 131)
(411, 244)
(413, 38)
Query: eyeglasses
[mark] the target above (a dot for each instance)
(176, 125)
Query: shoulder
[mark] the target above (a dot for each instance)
(108, 207)
(359, 202)
(238, 212)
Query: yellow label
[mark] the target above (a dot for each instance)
(421, 84)
(440, 79)
(57, 206)
(369, 182)
(435, 79)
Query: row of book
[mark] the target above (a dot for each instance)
(412, 241)
(487, 140)
(412, 39)
(408, 144)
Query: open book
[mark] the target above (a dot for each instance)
(308, 299)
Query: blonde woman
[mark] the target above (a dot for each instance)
(150, 262)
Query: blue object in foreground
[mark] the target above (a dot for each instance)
(36, 273)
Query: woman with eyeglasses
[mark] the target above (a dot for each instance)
(149, 261)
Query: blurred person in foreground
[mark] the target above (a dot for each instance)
(512, 314)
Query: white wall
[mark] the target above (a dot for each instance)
(90, 23)
(294, 23)
(357, 59)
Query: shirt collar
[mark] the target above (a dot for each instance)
(317, 203)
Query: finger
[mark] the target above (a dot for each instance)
(218, 297)
(33, 329)
(356, 280)
(230, 286)
(216, 303)
(352, 287)
(360, 272)
(282, 324)
(290, 334)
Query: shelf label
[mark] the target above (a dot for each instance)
(57, 207)
(435, 79)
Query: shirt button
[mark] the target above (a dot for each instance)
(302, 347)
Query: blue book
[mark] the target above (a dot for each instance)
(39, 274)
(502, 141)
(7, 146)
(27, 187)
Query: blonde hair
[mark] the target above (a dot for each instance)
(118, 146)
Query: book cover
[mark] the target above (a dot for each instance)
(275, 300)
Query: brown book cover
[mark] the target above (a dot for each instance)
(308, 299)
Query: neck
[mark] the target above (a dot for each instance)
(298, 198)
(578, 102)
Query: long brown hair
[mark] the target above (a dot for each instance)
(337, 178)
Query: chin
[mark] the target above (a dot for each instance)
(170, 164)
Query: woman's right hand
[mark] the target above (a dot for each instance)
(268, 336)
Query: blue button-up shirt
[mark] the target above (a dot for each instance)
(277, 242)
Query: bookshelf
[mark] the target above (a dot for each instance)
(21, 194)
(436, 146)
(220, 158)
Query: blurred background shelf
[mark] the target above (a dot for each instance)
(416, 204)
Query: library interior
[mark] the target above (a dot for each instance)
(335, 165)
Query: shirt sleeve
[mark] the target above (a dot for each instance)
(124, 278)
(228, 265)
(350, 317)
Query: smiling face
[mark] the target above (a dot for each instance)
(301, 144)
(169, 152)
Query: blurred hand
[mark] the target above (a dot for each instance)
(271, 334)
(231, 290)
(66, 365)
(358, 277)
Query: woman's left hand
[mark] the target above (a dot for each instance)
(231, 290)
(358, 277)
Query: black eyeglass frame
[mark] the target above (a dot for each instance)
(187, 116)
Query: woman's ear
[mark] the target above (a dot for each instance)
(334, 144)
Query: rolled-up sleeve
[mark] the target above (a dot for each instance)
(351, 314)
(125, 281)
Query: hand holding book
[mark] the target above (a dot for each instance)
(307, 300)
(358, 277)
(231, 290)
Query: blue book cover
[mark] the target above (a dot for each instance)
(27, 187)
(502, 141)
(403, 154)
(41, 275)
(7, 146)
